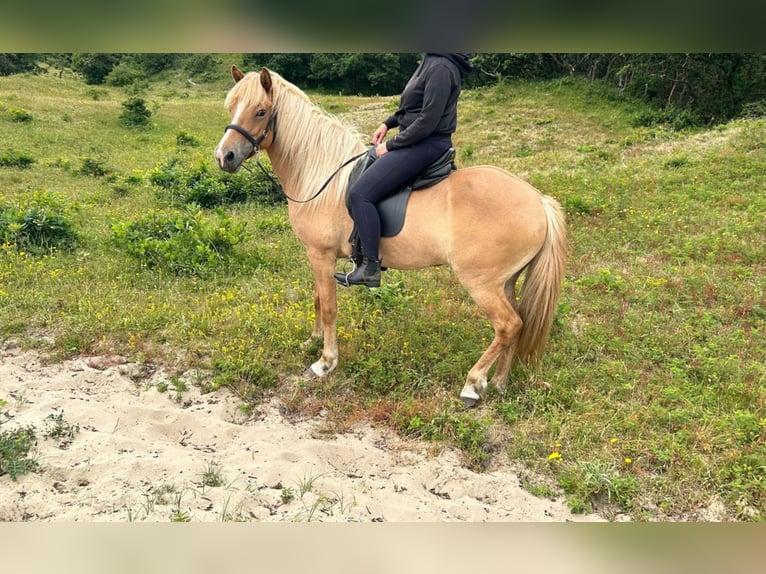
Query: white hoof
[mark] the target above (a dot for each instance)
(315, 371)
(318, 370)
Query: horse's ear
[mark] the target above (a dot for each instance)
(266, 80)
(236, 73)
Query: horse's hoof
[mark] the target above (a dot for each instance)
(309, 374)
(468, 402)
(469, 397)
(317, 370)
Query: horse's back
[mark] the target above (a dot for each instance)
(478, 214)
(495, 181)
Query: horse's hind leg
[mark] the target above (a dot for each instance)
(507, 325)
(503, 367)
(505, 360)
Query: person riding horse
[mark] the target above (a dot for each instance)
(426, 118)
(490, 226)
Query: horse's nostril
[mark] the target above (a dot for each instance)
(229, 156)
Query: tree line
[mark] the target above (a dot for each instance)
(700, 88)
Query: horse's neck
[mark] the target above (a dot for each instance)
(304, 155)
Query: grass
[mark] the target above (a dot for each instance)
(17, 444)
(651, 396)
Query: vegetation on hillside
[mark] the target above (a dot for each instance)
(689, 89)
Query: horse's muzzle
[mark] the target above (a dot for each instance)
(227, 160)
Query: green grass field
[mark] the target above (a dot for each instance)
(651, 396)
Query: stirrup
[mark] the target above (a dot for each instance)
(371, 281)
(342, 278)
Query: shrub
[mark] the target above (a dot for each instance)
(200, 185)
(185, 242)
(203, 67)
(94, 67)
(670, 116)
(135, 114)
(124, 74)
(97, 94)
(14, 448)
(41, 223)
(94, 167)
(12, 158)
(19, 115)
(756, 109)
(17, 63)
(152, 63)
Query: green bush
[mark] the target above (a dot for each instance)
(154, 63)
(200, 185)
(97, 94)
(671, 116)
(19, 115)
(94, 167)
(94, 67)
(17, 63)
(203, 67)
(39, 224)
(13, 158)
(185, 243)
(135, 114)
(124, 74)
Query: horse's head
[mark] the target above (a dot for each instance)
(253, 119)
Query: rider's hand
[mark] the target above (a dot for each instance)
(379, 134)
(381, 149)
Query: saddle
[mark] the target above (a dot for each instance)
(392, 209)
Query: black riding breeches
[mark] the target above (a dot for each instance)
(385, 176)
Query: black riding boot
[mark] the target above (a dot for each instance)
(367, 274)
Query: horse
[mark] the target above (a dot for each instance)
(488, 225)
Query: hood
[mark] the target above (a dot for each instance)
(461, 60)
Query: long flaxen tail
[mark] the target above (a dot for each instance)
(542, 286)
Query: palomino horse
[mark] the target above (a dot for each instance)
(486, 224)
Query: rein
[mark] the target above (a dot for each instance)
(327, 181)
(256, 143)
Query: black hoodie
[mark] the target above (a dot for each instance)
(428, 104)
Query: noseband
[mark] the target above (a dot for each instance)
(256, 142)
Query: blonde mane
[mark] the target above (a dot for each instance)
(309, 145)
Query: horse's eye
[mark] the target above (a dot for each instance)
(260, 113)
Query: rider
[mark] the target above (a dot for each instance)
(426, 118)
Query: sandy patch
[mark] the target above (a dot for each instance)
(139, 454)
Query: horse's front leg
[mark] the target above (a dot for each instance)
(318, 331)
(326, 308)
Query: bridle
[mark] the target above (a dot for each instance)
(256, 142)
(271, 126)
